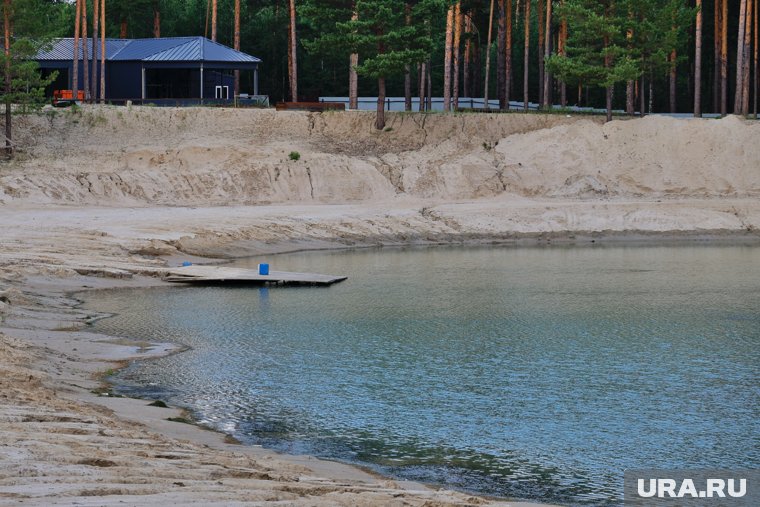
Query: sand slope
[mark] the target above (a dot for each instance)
(151, 156)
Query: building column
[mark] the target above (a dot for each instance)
(143, 82)
(256, 80)
(201, 81)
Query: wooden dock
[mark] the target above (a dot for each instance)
(221, 275)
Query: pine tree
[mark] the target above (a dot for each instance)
(488, 57)
(698, 63)
(447, 58)
(23, 85)
(383, 39)
(597, 51)
(292, 53)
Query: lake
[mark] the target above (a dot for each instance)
(530, 373)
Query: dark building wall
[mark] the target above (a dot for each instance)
(123, 80)
(214, 78)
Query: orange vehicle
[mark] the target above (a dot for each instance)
(64, 98)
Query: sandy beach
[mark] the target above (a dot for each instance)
(111, 197)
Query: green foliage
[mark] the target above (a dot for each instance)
(22, 83)
(657, 28)
(294, 155)
(597, 48)
(27, 86)
(615, 41)
(381, 35)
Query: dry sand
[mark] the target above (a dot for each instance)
(109, 197)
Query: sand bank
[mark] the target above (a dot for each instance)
(110, 197)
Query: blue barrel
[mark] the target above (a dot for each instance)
(187, 263)
(263, 269)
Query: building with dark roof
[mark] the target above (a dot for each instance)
(178, 69)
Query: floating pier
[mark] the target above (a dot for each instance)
(221, 275)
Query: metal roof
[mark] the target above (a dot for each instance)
(63, 49)
(168, 49)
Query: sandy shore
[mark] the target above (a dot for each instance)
(111, 198)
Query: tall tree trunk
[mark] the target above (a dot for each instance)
(642, 98)
(488, 57)
(157, 19)
(448, 50)
(208, 14)
(421, 83)
(630, 86)
(673, 81)
(457, 53)
(380, 118)
(508, 56)
(353, 77)
(541, 42)
(475, 65)
(123, 27)
(717, 13)
(561, 50)
(526, 57)
(724, 59)
(102, 51)
(548, 50)
(740, 54)
(7, 47)
(747, 58)
(75, 64)
(86, 54)
(467, 66)
(501, 62)
(290, 67)
(429, 97)
(698, 63)
(293, 54)
(95, 27)
(609, 90)
(407, 67)
(757, 39)
(407, 87)
(214, 9)
(353, 81)
(236, 45)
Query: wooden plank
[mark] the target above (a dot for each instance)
(226, 275)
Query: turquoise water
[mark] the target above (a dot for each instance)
(535, 373)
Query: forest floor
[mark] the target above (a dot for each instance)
(112, 196)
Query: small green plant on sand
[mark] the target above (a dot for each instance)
(158, 403)
(294, 155)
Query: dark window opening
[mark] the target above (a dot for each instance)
(171, 83)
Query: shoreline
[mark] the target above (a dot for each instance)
(93, 355)
(98, 353)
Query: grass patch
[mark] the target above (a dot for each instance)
(294, 155)
(158, 403)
